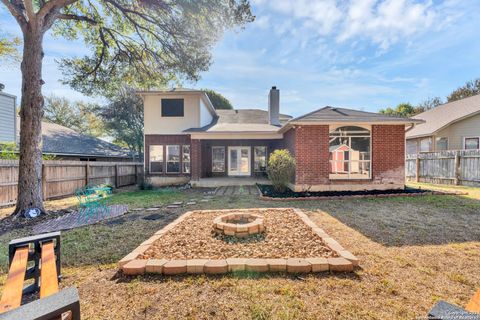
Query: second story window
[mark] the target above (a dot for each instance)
(172, 107)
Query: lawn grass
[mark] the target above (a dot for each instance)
(413, 251)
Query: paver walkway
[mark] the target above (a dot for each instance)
(73, 220)
(236, 190)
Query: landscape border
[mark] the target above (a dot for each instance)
(132, 265)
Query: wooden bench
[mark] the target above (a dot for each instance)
(445, 311)
(44, 252)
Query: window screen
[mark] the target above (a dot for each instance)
(172, 107)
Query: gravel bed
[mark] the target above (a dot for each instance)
(286, 236)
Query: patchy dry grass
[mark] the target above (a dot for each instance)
(414, 251)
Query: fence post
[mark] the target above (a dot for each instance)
(417, 169)
(457, 168)
(44, 182)
(116, 176)
(136, 173)
(87, 173)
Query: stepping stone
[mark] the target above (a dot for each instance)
(152, 209)
(173, 206)
(191, 203)
(177, 203)
(208, 197)
(204, 200)
(138, 209)
(154, 216)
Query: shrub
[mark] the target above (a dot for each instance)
(281, 169)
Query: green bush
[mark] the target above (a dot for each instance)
(281, 169)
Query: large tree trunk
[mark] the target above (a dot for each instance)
(30, 193)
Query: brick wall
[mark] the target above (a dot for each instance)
(388, 154)
(312, 154)
(164, 140)
(311, 149)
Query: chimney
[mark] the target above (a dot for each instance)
(274, 106)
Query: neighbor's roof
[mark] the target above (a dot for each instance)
(332, 114)
(60, 140)
(444, 115)
(241, 120)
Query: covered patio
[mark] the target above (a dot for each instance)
(213, 182)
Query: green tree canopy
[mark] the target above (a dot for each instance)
(123, 118)
(219, 101)
(401, 110)
(470, 88)
(79, 116)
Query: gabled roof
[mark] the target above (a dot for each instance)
(332, 114)
(60, 140)
(241, 120)
(444, 115)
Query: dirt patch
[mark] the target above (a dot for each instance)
(286, 235)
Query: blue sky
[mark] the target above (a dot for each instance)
(362, 54)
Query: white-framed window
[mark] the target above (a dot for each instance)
(471, 143)
(218, 159)
(259, 158)
(186, 158)
(411, 146)
(156, 159)
(350, 153)
(173, 159)
(441, 144)
(426, 144)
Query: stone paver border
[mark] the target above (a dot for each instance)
(132, 265)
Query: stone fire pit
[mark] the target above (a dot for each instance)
(238, 224)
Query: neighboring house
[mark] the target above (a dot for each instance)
(451, 126)
(187, 140)
(7, 118)
(67, 144)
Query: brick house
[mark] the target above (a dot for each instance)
(187, 140)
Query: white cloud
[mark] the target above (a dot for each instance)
(382, 22)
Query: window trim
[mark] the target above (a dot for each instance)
(167, 116)
(189, 159)
(266, 158)
(470, 137)
(150, 159)
(179, 159)
(224, 157)
(333, 128)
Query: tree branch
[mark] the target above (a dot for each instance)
(77, 18)
(52, 6)
(16, 13)
(29, 9)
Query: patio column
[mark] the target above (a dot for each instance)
(196, 158)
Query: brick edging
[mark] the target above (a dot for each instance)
(345, 262)
(360, 196)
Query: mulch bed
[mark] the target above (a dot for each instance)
(286, 236)
(267, 192)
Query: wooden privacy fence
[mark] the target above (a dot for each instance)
(457, 167)
(62, 178)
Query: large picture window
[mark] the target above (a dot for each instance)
(172, 107)
(156, 159)
(350, 153)
(260, 159)
(186, 158)
(173, 159)
(218, 159)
